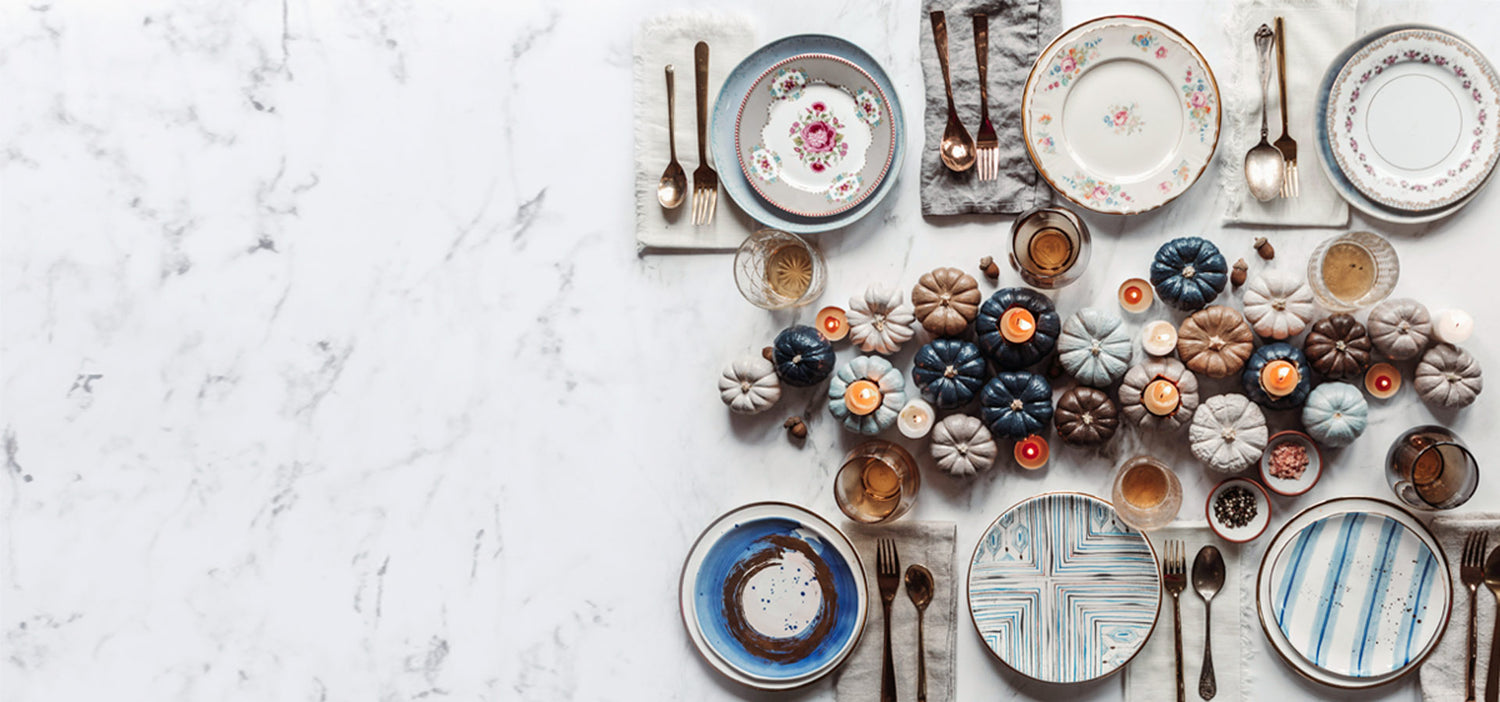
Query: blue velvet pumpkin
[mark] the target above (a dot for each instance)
(1335, 414)
(949, 372)
(1013, 356)
(803, 357)
(1250, 378)
(1189, 272)
(1016, 404)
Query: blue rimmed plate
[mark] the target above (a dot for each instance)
(773, 596)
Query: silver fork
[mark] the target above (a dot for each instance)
(1290, 184)
(1471, 573)
(1174, 577)
(705, 180)
(988, 144)
(888, 577)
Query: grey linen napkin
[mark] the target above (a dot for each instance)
(1443, 674)
(929, 544)
(1018, 32)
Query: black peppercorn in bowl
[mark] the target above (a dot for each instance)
(1239, 510)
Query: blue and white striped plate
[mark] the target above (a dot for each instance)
(1063, 591)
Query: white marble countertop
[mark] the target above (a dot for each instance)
(331, 372)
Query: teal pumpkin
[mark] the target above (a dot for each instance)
(1016, 404)
(1250, 377)
(949, 372)
(1093, 347)
(1189, 272)
(1013, 356)
(803, 357)
(1335, 414)
(892, 385)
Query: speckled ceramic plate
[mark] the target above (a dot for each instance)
(1061, 590)
(773, 596)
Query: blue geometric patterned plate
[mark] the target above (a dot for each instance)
(773, 595)
(1061, 590)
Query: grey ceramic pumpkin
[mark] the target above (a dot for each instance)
(1228, 433)
(962, 446)
(1400, 329)
(1093, 347)
(1448, 376)
(1133, 389)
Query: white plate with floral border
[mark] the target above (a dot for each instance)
(814, 135)
(1121, 114)
(1413, 117)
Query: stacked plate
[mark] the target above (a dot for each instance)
(814, 130)
(1408, 131)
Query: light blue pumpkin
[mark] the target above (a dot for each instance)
(1335, 414)
(1094, 348)
(892, 386)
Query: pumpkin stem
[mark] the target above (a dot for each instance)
(1016, 405)
(1228, 434)
(1188, 271)
(950, 372)
(1279, 305)
(1215, 343)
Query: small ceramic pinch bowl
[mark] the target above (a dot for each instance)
(1291, 487)
(1257, 524)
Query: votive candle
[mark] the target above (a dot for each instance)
(1382, 380)
(915, 419)
(1161, 397)
(1159, 338)
(1032, 452)
(1453, 326)
(1279, 378)
(1017, 325)
(833, 323)
(1136, 295)
(862, 397)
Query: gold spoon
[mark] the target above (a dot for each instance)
(957, 148)
(1264, 165)
(673, 186)
(919, 589)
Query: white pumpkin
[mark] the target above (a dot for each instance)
(1279, 304)
(749, 385)
(1228, 433)
(962, 446)
(880, 320)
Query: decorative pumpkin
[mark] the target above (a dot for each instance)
(1016, 404)
(1133, 390)
(949, 372)
(1335, 414)
(1228, 433)
(1093, 347)
(1338, 347)
(1448, 376)
(880, 320)
(1215, 341)
(887, 379)
(1189, 272)
(802, 355)
(962, 446)
(1400, 329)
(1279, 304)
(1012, 356)
(1086, 416)
(1250, 378)
(749, 385)
(946, 300)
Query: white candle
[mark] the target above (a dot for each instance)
(915, 419)
(1453, 326)
(1159, 338)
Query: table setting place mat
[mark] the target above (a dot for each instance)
(930, 544)
(1017, 32)
(1316, 31)
(1442, 675)
(666, 40)
(1152, 676)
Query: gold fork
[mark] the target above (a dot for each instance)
(705, 180)
(988, 144)
(1290, 184)
(1492, 581)
(1174, 578)
(888, 577)
(1471, 573)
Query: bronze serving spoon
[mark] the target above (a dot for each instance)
(919, 589)
(673, 185)
(957, 148)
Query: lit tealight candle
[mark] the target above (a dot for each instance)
(1136, 295)
(1280, 378)
(1017, 325)
(862, 397)
(1453, 326)
(832, 323)
(1382, 380)
(1031, 452)
(915, 419)
(1159, 338)
(1161, 397)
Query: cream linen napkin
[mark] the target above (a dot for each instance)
(1316, 31)
(1152, 676)
(929, 544)
(1443, 674)
(670, 40)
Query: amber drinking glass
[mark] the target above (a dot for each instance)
(1429, 467)
(1147, 494)
(775, 270)
(877, 483)
(1049, 247)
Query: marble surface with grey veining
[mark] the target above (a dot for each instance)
(331, 373)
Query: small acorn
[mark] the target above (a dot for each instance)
(1238, 275)
(769, 353)
(1055, 369)
(991, 270)
(795, 427)
(1264, 248)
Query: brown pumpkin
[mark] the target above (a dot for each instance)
(946, 300)
(1338, 347)
(1215, 341)
(1086, 416)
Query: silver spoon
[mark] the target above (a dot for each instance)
(1264, 165)
(673, 186)
(919, 589)
(1208, 579)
